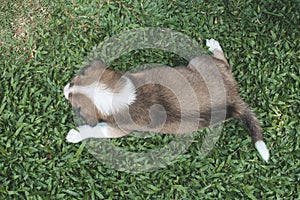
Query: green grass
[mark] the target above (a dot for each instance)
(42, 46)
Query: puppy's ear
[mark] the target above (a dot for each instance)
(85, 107)
(91, 120)
(96, 64)
(93, 66)
(89, 114)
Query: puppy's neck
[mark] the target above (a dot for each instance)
(109, 101)
(106, 99)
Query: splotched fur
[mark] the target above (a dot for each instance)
(166, 100)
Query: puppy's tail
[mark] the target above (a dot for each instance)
(252, 126)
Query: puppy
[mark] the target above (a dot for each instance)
(166, 100)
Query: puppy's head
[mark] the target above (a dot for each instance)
(96, 92)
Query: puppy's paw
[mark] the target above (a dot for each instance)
(74, 136)
(213, 45)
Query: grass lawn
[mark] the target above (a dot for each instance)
(42, 46)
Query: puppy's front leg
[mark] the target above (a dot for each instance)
(102, 130)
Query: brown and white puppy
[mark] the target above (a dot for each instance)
(165, 100)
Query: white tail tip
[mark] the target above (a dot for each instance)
(262, 149)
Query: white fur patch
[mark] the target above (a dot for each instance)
(106, 101)
(213, 45)
(262, 149)
(85, 132)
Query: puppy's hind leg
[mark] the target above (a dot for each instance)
(216, 49)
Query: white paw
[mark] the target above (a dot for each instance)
(73, 136)
(213, 45)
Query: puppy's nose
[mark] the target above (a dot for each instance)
(66, 91)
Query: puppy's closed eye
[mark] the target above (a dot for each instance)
(70, 95)
(71, 84)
